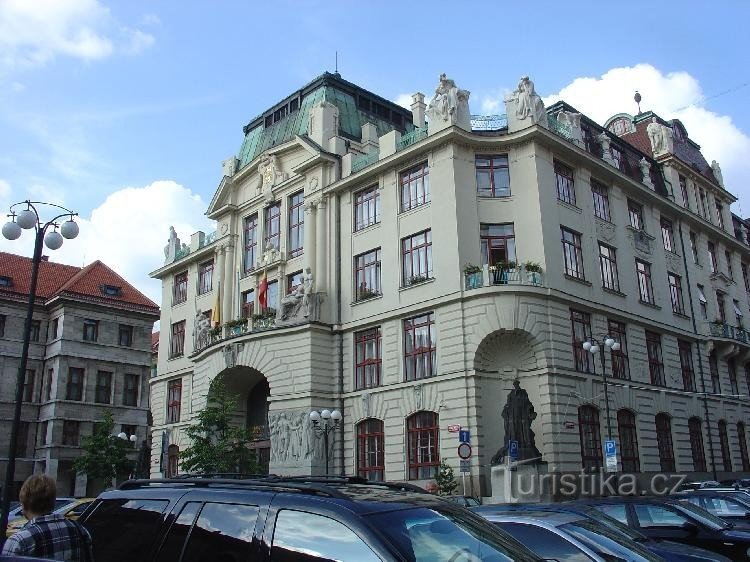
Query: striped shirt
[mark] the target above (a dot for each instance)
(51, 536)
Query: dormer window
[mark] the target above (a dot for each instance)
(5, 281)
(111, 290)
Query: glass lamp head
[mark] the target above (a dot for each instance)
(336, 415)
(609, 342)
(315, 416)
(69, 229)
(53, 240)
(616, 346)
(594, 348)
(587, 345)
(122, 435)
(11, 230)
(325, 414)
(26, 219)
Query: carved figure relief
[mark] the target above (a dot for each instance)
(270, 256)
(605, 141)
(269, 173)
(572, 123)
(518, 414)
(301, 303)
(527, 102)
(201, 330)
(605, 230)
(418, 396)
(173, 246)
(449, 104)
(292, 437)
(659, 135)
(366, 404)
(229, 166)
(645, 167)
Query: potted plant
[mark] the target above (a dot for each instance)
(216, 331)
(473, 276)
(365, 293)
(236, 326)
(533, 272)
(417, 279)
(502, 268)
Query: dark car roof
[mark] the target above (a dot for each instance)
(554, 518)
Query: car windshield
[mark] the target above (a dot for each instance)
(606, 542)
(715, 523)
(425, 534)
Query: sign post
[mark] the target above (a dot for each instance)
(464, 453)
(610, 453)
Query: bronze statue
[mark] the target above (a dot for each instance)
(518, 413)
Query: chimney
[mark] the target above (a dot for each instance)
(417, 109)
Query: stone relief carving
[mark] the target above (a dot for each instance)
(230, 353)
(605, 230)
(173, 246)
(301, 304)
(717, 172)
(269, 173)
(418, 396)
(366, 404)
(449, 105)
(313, 183)
(292, 437)
(642, 242)
(229, 166)
(572, 122)
(645, 167)
(525, 103)
(271, 255)
(674, 262)
(660, 137)
(605, 141)
(201, 330)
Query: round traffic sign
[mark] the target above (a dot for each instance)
(464, 451)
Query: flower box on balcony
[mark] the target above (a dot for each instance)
(417, 279)
(365, 294)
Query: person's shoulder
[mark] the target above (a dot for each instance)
(18, 542)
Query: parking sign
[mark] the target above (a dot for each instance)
(513, 450)
(464, 436)
(610, 452)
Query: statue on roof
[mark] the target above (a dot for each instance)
(524, 103)
(717, 172)
(660, 136)
(173, 246)
(449, 106)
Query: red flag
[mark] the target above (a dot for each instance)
(263, 292)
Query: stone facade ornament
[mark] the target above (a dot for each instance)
(271, 255)
(449, 106)
(229, 166)
(269, 173)
(660, 136)
(645, 167)
(524, 107)
(605, 142)
(230, 355)
(418, 396)
(366, 404)
(173, 246)
(717, 172)
(301, 304)
(292, 438)
(572, 124)
(201, 331)
(518, 414)
(605, 230)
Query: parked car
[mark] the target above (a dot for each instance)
(17, 511)
(288, 519)
(72, 510)
(669, 518)
(466, 501)
(737, 483)
(668, 550)
(697, 485)
(722, 505)
(569, 536)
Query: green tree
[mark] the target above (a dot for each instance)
(105, 455)
(217, 446)
(446, 480)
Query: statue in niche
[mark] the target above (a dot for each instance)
(518, 414)
(717, 172)
(291, 305)
(528, 102)
(308, 283)
(659, 135)
(201, 330)
(445, 103)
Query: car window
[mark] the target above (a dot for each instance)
(545, 543)
(125, 529)
(616, 511)
(607, 543)
(652, 515)
(172, 546)
(702, 516)
(223, 533)
(77, 510)
(724, 507)
(299, 535)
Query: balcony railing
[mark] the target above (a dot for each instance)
(208, 239)
(562, 129)
(364, 160)
(518, 275)
(724, 330)
(410, 138)
(489, 122)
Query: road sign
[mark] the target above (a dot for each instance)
(465, 466)
(610, 452)
(513, 450)
(464, 436)
(454, 428)
(464, 451)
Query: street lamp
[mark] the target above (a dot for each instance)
(330, 421)
(593, 346)
(24, 216)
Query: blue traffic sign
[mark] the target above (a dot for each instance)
(513, 450)
(464, 436)
(610, 448)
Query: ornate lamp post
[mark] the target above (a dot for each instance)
(330, 421)
(24, 216)
(593, 346)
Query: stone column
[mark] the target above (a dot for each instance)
(310, 238)
(227, 313)
(321, 267)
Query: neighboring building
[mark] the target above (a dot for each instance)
(415, 273)
(90, 351)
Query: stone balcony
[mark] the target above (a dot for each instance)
(498, 275)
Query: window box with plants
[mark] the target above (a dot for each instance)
(472, 276)
(533, 273)
(216, 332)
(364, 294)
(501, 272)
(416, 280)
(265, 319)
(237, 326)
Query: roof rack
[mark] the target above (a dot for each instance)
(224, 475)
(278, 485)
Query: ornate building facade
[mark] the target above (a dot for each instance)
(406, 268)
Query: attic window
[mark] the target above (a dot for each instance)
(111, 290)
(5, 281)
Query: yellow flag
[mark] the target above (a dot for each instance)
(216, 310)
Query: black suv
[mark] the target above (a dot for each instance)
(288, 520)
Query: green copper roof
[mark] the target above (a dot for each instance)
(261, 135)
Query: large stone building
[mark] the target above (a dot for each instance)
(90, 350)
(416, 271)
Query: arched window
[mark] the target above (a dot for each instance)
(628, 441)
(743, 447)
(726, 455)
(591, 441)
(370, 463)
(422, 443)
(664, 442)
(696, 444)
(173, 458)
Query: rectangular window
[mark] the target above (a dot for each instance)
(645, 288)
(251, 242)
(420, 347)
(248, 303)
(370, 449)
(206, 277)
(497, 243)
(174, 400)
(74, 388)
(416, 258)
(667, 235)
(719, 214)
(721, 310)
(103, 387)
(71, 431)
(296, 224)
(704, 206)
(730, 269)
(22, 442)
(28, 385)
(675, 293)
(423, 445)
(600, 194)
(130, 390)
(620, 362)
(686, 365)
(713, 367)
(694, 247)
(48, 387)
(737, 312)
(732, 370)
(90, 330)
(684, 191)
(36, 328)
(635, 215)
(367, 275)
(179, 289)
(272, 297)
(293, 280)
(366, 207)
(177, 342)
(125, 335)
(608, 267)
(272, 226)
(745, 277)
(55, 328)
(43, 431)
(415, 187)
(573, 253)
(655, 360)
(581, 323)
(702, 302)
(493, 179)
(564, 181)
(618, 157)
(367, 358)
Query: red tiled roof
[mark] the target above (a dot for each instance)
(155, 341)
(58, 279)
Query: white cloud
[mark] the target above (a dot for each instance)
(404, 100)
(34, 32)
(128, 231)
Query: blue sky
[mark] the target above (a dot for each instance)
(125, 110)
